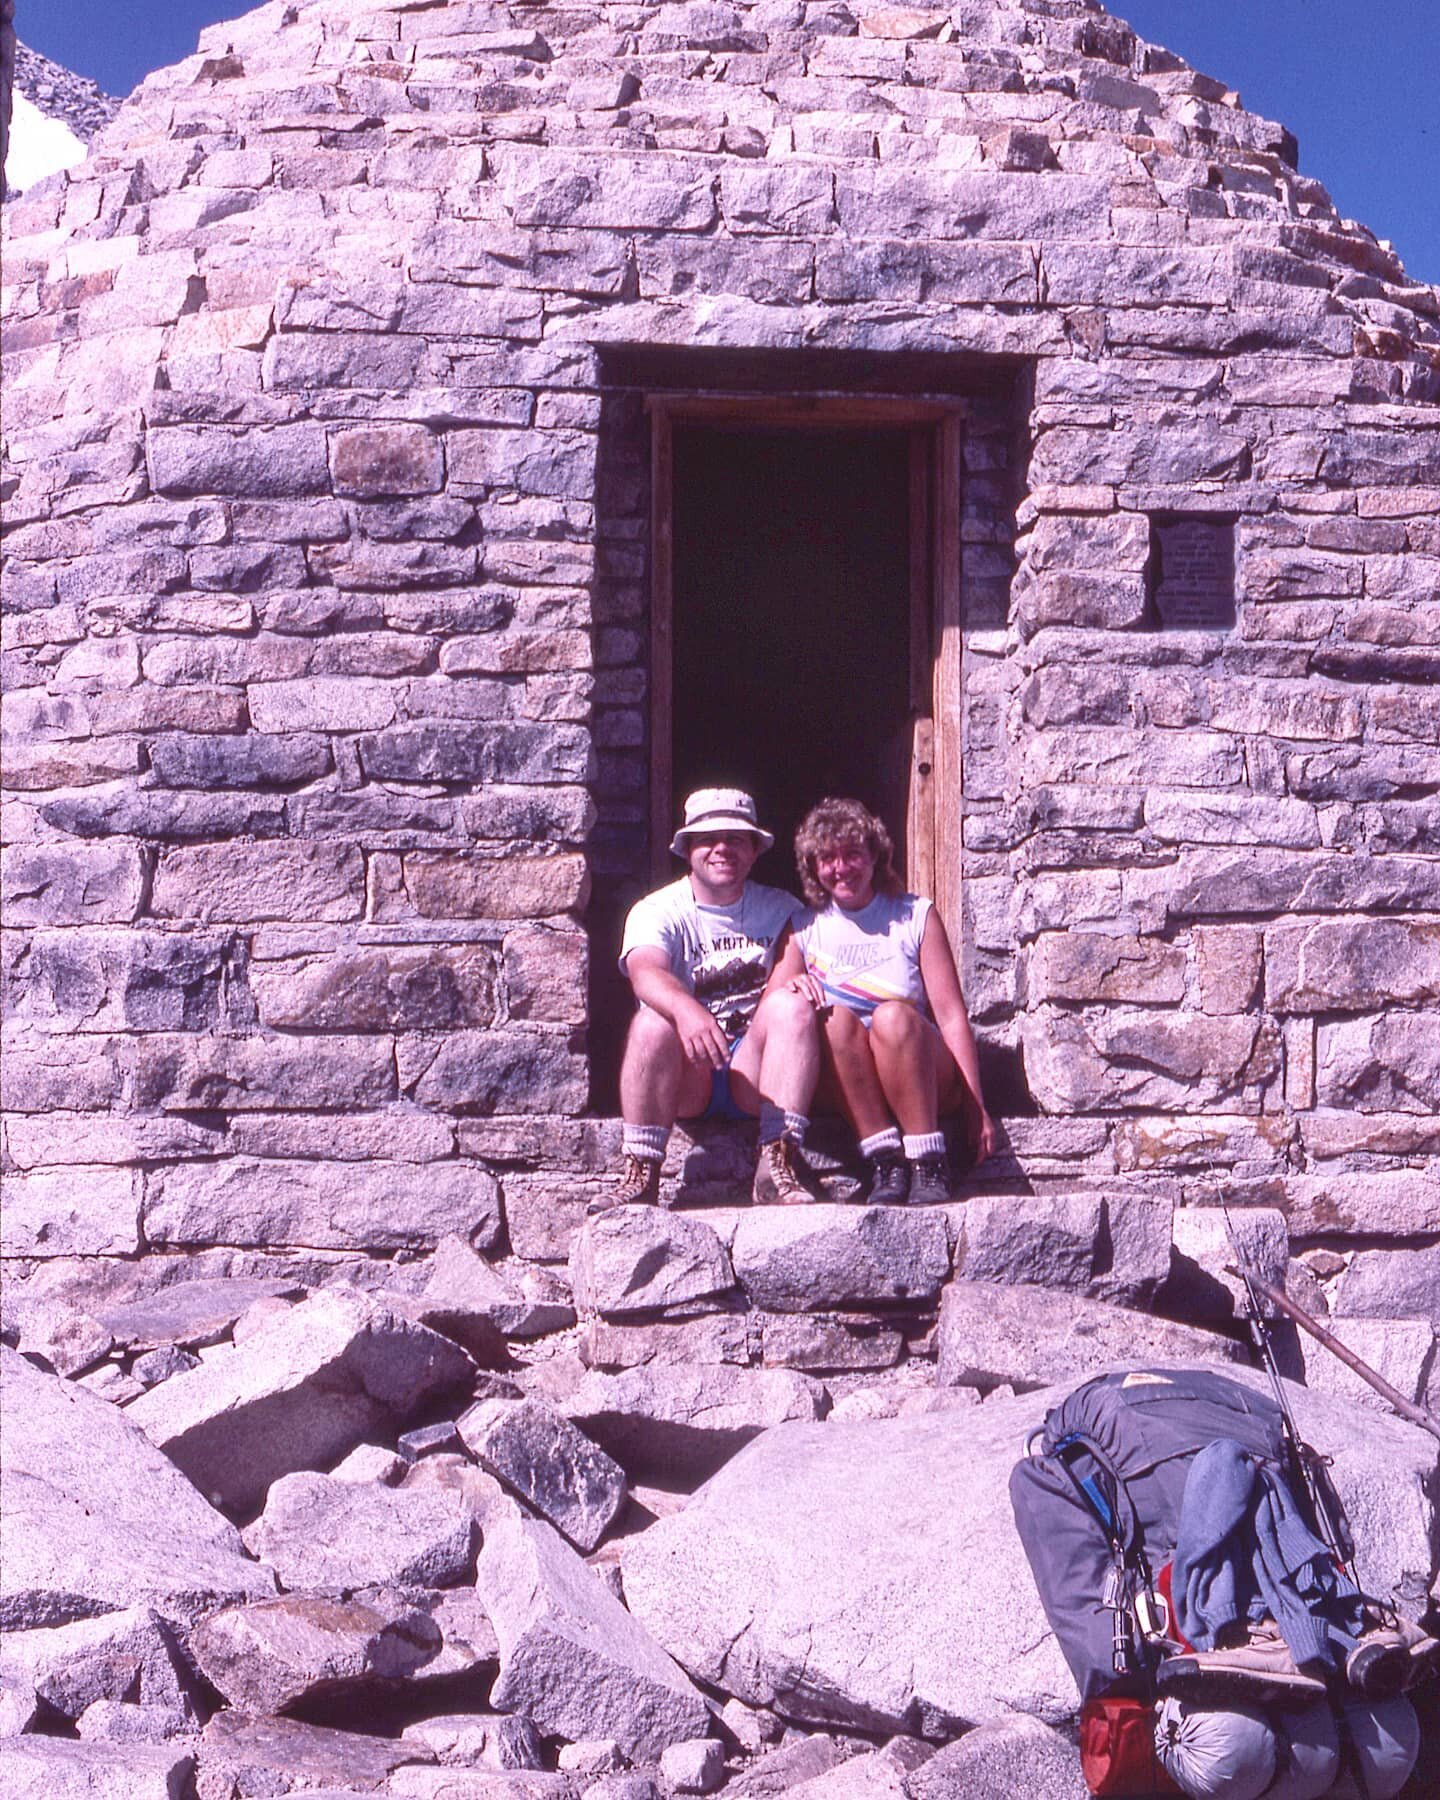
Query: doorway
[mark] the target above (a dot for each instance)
(791, 621)
(804, 615)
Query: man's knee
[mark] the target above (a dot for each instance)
(651, 1040)
(788, 1013)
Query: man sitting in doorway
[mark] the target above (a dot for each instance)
(697, 953)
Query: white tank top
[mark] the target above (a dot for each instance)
(861, 958)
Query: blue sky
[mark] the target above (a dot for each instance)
(1357, 81)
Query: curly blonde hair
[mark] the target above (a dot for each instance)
(828, 826)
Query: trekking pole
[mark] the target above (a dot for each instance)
(1406, 1408)
(1332, 1527)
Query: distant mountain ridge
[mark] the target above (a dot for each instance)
(56, 113)
(59, 93)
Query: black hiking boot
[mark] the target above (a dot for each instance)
(929, 1181)
(889, 1178)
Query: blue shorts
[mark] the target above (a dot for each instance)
(721, 1104)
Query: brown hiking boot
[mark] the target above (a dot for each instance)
(781, 1177)
(1250, 1662)
(639, 1185)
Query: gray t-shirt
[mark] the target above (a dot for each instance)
(722, 954)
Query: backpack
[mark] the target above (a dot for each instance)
(1097, 1502)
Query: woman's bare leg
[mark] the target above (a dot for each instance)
(917, 1074)
(849, 1079)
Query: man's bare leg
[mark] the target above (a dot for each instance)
(658, 1084)
(774, 1074)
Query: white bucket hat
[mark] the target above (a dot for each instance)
(718, 809)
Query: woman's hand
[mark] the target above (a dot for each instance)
(806, 984)
(984, 1137)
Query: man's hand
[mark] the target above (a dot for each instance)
(701, 1038)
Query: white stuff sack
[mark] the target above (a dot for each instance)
(1386, 1735)
(1215, 1753)
(1308, 1757)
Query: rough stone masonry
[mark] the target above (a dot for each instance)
(327, 587)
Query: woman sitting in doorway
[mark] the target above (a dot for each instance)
(898, 1051)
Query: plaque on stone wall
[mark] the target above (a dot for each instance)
(1193, 574)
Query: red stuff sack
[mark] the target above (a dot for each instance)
(1117, 1748)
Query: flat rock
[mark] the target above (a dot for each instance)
(307, 1387)
(808, 1760)
(332, 1536)
(869, 1575)
(133, 1722)
(550, 1463)
(998, 1760)
(813, 1258)
(1049, 1240)
(478, 1740)
(130, 1655)
(571, 1657)
(189, 1313)
(51, 1768)
(710, 1338)
(638, 1259)
(680, 1424)
(1391, 1284)
(1398, 1350)
(480, 1784)
(96, 1518)
(268, 1656)
(276, 1756)
(468, 1300)
(991, 1333)
(1199, 1287)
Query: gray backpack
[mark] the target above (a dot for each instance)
(1097, 1502)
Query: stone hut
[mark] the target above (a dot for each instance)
(437, 435)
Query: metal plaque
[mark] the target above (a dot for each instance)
(1194, 574)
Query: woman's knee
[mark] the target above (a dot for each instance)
(896, 1022)
(844, 1030)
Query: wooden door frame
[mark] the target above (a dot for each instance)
(933, 821)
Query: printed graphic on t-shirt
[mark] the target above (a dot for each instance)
(849, 976)
(729, 978)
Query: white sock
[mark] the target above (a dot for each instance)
(778, 1121)
(645, 1141)
(924, 1143)
(888, 1139)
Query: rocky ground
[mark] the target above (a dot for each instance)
(723, 1504)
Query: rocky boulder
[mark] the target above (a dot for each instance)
(992, 1333)
(266, 1657)
(571, 1657)
(666, 1424)
(96, 1518)
(49, 1768)
(638, 1259)
(550, 1463)
(334, 1536)
(869, 1575)
(305, 1389)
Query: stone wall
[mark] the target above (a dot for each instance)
(326, 591)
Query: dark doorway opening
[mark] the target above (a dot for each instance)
(792, 586)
